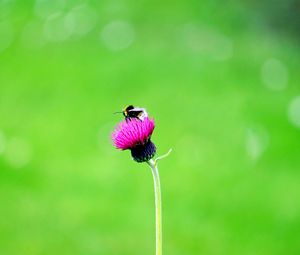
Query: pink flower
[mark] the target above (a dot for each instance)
(135, 134)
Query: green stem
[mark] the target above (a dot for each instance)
(158, 214)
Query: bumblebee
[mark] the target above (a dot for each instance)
(131, 112)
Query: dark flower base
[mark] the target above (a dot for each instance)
(143, 152)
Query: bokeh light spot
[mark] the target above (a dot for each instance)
(81, 19)
(6, 35)
(257, 140)
(55, 29)
(46, 8)
(207, 41)
(294, 111)
(18, 152)
(118, 35)
(274, 75)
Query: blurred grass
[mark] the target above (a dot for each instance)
(231, 185)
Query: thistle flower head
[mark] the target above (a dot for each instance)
(135, 134)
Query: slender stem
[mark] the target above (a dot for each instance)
(163, 156)
(158, 214)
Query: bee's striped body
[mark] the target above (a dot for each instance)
(130, 112)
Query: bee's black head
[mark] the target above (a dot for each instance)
(127, 109)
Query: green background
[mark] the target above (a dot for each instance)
(221, 80)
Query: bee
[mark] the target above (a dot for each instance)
(131, 112)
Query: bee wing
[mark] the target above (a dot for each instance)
(142, 112)
(137, 109)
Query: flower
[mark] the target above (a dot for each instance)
(135, 134)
